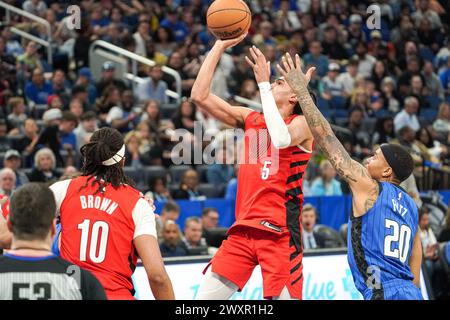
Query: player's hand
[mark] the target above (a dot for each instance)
(225, 44)
(259, 64)
(293, 73)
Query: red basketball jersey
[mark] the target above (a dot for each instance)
(270, 180)
(97, 233)
(4, 208)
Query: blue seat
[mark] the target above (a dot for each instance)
(338, 102)
(434, 101)
(429, 113)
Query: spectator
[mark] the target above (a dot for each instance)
(354, 30)
(164, 39)
(13, 161)
(185, 116)
(7, 182)
(360, 137)
(27, 143)
(442, 123)
(86, 127)
(107, 78)
(210, 218)
(330, 86)
(404, 81)
(54, 102)
(158, 189)
(122, 115)
(44, 167)
(150, 149)
(32, 223)
(384, 131)
(17, 117)
(142, 37)
(110, 98)
(61, 86)
(193, 241)
(76, 107)
(220, 172)
(444, 76)
(425, 12)
(171, 238)
(170, 211)
(388, 94)
(265, 36)
(231, 189)
(427, 237)
(310, 239)
(347, 79)
(29, 60)
(432, 81)
(189, 187)
(331, 45)
(408, 116)
(36, 7)
(133, 142)
(444, 235)
(326, 184)
(4, 142)
(38, 89)
(85, 79)
(433, 147)
(153, 87)
(316, 58)
(68, 139)
(178, 28)
(366, 61)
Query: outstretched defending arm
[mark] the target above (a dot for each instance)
(364, 188)
(217, 107)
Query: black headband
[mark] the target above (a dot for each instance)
(401, 171)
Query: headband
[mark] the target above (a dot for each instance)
(115, 158)
(391, 156)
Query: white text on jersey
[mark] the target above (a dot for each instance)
(100, 203)
(398, 208)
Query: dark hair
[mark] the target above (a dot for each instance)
(88, 115)
(152, 182)
(399, 160)
(171, 206)
(103, 145)
(69, 116)
(208, 210)
(33, 209)
(423, 211)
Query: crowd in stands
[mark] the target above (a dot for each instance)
(390, 84)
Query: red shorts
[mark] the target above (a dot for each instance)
(281, 265)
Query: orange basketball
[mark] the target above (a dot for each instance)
(228, 19)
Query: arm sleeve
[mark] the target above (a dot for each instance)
(278, 129)
(144, 219)
(59, 191)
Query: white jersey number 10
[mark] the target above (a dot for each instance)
(98, 227)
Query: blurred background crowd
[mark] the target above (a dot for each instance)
(389, 84)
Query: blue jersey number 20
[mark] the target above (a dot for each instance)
(402, 236)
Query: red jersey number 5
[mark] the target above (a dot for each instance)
(265, 170)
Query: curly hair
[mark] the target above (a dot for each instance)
(104, 144)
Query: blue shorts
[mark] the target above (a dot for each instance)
(395, 290)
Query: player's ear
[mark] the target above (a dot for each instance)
(387, 172)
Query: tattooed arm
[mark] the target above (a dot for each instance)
(365, 189)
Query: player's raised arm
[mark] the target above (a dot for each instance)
(282, 135)
(361, 184)
(203, 98)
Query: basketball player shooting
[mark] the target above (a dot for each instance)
(268, 228)
(384, 250)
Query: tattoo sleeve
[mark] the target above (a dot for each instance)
(346, 167)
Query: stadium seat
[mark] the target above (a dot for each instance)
(211, 190)
(343, 232)
(153, 172)
(133, 174)
(434, 102)
(167, 110)
(338, 102)
(176, 172)
(429, 113)
(332, 238)
(202, 172)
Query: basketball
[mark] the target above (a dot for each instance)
(228, 19)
